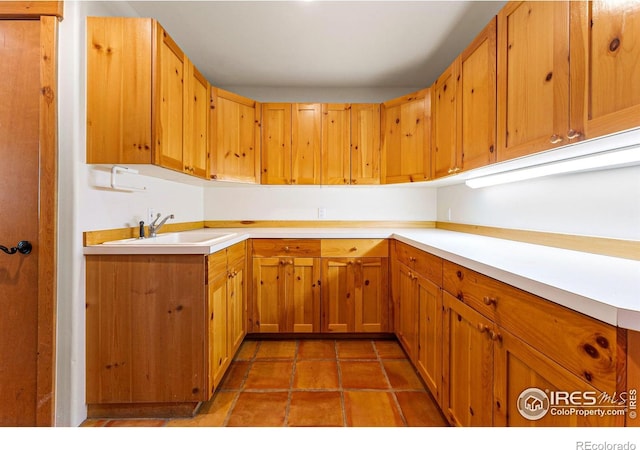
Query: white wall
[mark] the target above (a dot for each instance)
(415, 203)
(605, 203)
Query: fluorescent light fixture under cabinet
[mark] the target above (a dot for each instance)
(620, 157)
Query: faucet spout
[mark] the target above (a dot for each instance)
(153, 228)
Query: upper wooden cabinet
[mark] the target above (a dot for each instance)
(533, 78)
(276, 143)
(605, 50)
(350, 143)
(235, 137)
(406, 138)
(464, 108)
(146, 102)
(306, 143)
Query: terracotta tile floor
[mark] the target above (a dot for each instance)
(329, 383)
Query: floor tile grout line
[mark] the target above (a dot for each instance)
(241, 388)
(340, 387)
(393, 394)
(291, 378)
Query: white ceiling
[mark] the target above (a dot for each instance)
(321, 44)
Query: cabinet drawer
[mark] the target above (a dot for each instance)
(584, 346)
(427, 265)
(236, 251)
(355, 247)
(286, 247)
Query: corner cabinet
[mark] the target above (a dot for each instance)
(146, 102)
(161, 329)
(406, 138)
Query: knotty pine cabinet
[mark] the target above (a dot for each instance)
(146, 102)
(406, 138)
(350, 143)
(464, 109)
(235, 137)
(161, 329)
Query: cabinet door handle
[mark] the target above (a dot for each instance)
(286, 249)
(495, 336)
(555, 139)
(490, 301)
(573, 134)
(482, 328)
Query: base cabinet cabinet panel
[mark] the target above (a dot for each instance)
(428, 354)
(218, 327)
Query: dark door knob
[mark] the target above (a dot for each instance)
(23, 247)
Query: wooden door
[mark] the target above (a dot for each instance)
(269, 295)
(218, 331)
(444, 155)
(406, 313)
(519, 367)
(236, 305)
(302, 279)
(365, 143)
(605, 49)
(196, 122)
(276, 143)
(19, 141)
(467, 395)
(429, 335)
(336, 142)
(306, 143)
(476, 102)
(533, 82)
(169, 125)
(371, 299)
(234, 138)
(406, 138)
(338, 294)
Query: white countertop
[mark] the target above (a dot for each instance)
(602, 287)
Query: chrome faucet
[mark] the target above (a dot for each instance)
(153, 228)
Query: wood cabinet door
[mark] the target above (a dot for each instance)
(476, 102)
(234, 137)
(306, 143)
(406, 312)
(276, 143)
(533, 77)
(444, 161)
(605, 50)
(429, 335)
(336, 141)
(269, 295)
(236, 305)
(406, 138)
(196, 122)
(218, 331)
(372, 298)
(518, 368)
(338, 294)
(467, 395)
(119, 82)
(302, 278)
(365, 143)
(169, 125)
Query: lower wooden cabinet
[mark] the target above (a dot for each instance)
(428, 354)
(405, 313)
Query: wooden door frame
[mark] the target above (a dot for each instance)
(48, 13)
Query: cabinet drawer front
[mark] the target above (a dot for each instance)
(355, 247)
(584, 346)
(217, 265)
(425, 264)
(286, 247)
(236, 251)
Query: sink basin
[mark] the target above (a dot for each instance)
(198, 237)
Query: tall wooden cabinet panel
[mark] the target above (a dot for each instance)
(236, 296)
(406, 138)
(235, 137)
(119, 70)
(336, 143)
(306, 143)
(365, 143)
(405, 310)
(444, 123)
(533, 77)
(605, 49)
(276, 143)
(519, 367)
(196, 122)
(428, 354)
(217, 313)
(467, 365)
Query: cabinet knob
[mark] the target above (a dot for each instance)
(495, 336)
(482, 328)
(412, 259)
(286, 249)
(555, 139)
(573, 134)
(489, 301)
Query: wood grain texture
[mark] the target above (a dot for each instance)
(31, 10)
(352, 248)
(306, 143)
(196, 122)
(317, 224)
(276, 143)
(422, 263)
(602, 246)
(444, 159)
(365, 143)
(286, 247)
(336, 143)
(428, 354)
